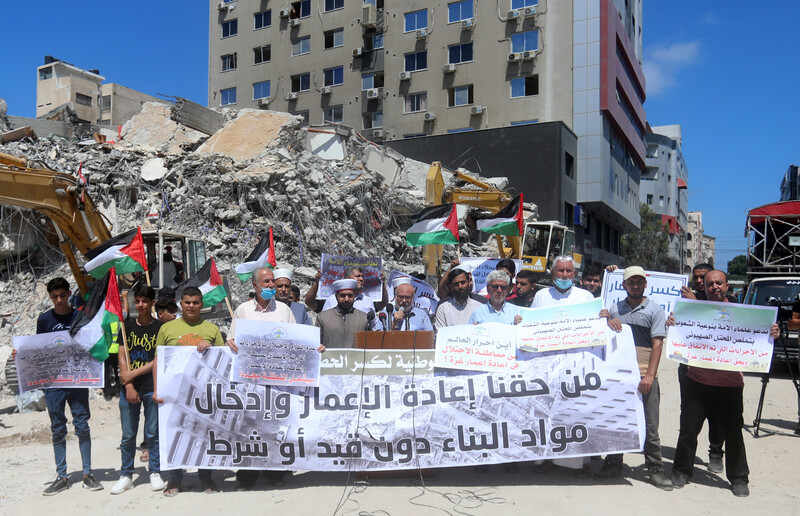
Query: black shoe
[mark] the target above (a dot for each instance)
(659, 478)
(609, 470)
(91, 483)
(58, 485)
(715, 464)
(740, 488)
(678, 479)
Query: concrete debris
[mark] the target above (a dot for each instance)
(153, 131)
(153, 169)
(247, 135)
(195, 116)
(17, 134)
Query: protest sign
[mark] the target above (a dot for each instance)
(55, 360)
(562, 327)
(333, 268)
(273, 353)
(722, 336)
(481, 267)
(426, 298)
(389, 409)
(477, 347)
(663, 288)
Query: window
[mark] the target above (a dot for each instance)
(105, 102)
(301, 82)
(230, 28)
(227, 96)
(524, 86)
(526, 122)
(459, 96)
(45, 73)
(377, 3)
(262, 19)
(377, 41)
(373, 120)
(229, 62)
(262, 54)
(332, 5)
(301, 46)
(661, 200)
(416, 20)
(458, 11)
(650, 199)
(415, 103)
(459, 53)
(260, 90)
(462, 130)
(415, 135)
(334, 38)
(300, 9)
(524, 41)
(305, 116)
(334, 76)
(84, 100)
(416, 61)
(569, 164)
(519, 4)
(371, 80)
(332, 114)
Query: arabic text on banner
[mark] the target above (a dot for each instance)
(481, 267)
(273, 353)
(477, 347)
(426, 298)
(334, 267)
(562, 327)
(55, 360)
(722, 336)
(662, 287)
(390, 409)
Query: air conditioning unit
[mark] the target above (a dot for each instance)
(373, 93)
(357, 52)
(528, 55)
(405, 76)
(284, 13)
(264, 102)
(529, 12)
(294, 23)
(378, 134)
(292, 95)
(226, 6)
(514, 56)
(476, 110)
(422, 34)
(325, 90)
(467, 24)
(512, 15)
(449, 68)
(369, 16)
(429, 116)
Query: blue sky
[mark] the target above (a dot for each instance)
(727, 72)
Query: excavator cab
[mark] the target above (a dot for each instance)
(543, 241)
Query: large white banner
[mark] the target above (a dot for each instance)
(390, 409)
(662, 287)
(55, 360)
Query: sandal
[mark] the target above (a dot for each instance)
(209, 487)
(172, 489)
(145, 456)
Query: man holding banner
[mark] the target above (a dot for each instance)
(648, 324)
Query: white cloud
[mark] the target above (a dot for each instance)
(663, 62)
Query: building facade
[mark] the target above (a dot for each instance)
(700, 248)
(664, 186)
(94, 102)
(790, 187)
(412, 69)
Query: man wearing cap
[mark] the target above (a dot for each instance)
(283, 290)
(406, 316)
(338, 325)
(457, 309)
(648, 325)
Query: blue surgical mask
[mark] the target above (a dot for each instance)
(267, 293)
(564, 284)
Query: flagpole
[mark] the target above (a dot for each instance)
(125, 344)
(230, 309)
(147, 277)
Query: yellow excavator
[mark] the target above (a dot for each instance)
(541, 241)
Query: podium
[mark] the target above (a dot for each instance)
(395, 340)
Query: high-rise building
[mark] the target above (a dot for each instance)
(664, 185)
(700, 247)
(413, 69)
(790, 186)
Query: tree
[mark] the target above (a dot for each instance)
(737, 268)
(648, 247)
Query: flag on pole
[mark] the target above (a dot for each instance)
(92, 327)
(507, 221)
(262, 255)
(208, 281)
(435, 225)
(124, 252)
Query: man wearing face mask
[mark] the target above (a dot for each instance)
(406, 316)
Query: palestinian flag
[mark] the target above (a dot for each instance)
(124, 252)
(507, 221)
(263, 255)
(208, 281)
(92, 326)
(435, 225)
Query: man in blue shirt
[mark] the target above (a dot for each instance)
(407, 317)
(497, 309)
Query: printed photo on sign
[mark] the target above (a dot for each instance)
(481, 267)
(333, 268)
(55, 360)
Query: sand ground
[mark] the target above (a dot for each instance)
(26, 466)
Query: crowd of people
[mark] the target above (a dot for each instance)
(706, 394)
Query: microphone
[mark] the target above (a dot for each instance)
(382, 318)
(370, 318)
